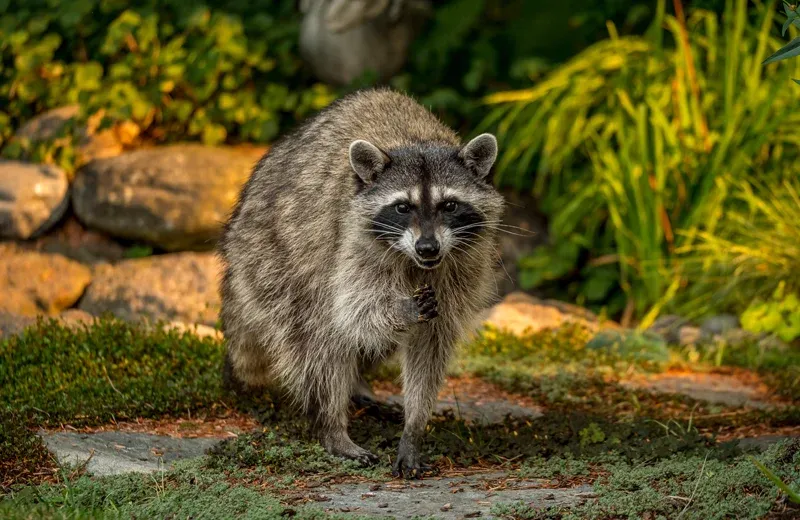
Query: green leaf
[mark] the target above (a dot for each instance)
(789, 50)
(138, 251)
(214, 134)
(600, 282)
(793, 495)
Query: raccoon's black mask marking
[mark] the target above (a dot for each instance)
(464, 221)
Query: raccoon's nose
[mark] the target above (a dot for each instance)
(427, 247)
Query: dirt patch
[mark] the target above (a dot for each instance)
(231, 425)
(757, 430)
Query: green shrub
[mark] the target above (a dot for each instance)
(224, 72)
(634, 147)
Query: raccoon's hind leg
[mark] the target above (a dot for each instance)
(362, 391)
(332, 383)
(246, 375)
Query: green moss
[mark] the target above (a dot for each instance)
(108, 371)
(696, 487)
(189, 491)
(23, 457)
(286, 448)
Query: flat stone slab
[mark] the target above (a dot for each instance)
(763, 442)
(479, 412)
(448, 498)
(114, 453)
(713, 388)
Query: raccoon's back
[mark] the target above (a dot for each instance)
(299, 193)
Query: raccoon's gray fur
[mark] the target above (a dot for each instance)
(344, 247)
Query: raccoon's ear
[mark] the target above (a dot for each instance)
(367, 160)
(479, 154)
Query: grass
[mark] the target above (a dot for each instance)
(754, 251)
(633, 148)
(639, 448)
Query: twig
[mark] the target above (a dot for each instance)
(111, 382)
(696, 485)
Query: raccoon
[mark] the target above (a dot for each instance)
(369, 230)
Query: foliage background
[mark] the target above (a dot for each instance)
(646, 136)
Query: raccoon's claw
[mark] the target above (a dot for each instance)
(425, 298)
(408, 464)
(366, 459)
(347, 449)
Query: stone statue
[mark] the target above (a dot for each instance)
(342, 39)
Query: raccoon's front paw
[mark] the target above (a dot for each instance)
(409, 462)
(425, 298)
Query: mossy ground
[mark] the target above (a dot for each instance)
(644, 452)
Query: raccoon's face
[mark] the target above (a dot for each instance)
(428, 202)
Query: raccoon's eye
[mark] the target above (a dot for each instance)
(450, 206)
(402, 208)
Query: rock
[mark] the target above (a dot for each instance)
(175, 287)
(92, 143)
(176, 197)
(199, 330)
(720, 324)
(762, 443)
(33, 197)
(75, 318)
(632, 345)
(668, 327)
(521, 212)
(116, 452)
(519, 313)
(72, 240)
(465, 496)
(771, 342)
(12, 324)
(47, 125)
(691, 336)
(33, 283)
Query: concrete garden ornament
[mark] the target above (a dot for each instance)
(343, 39)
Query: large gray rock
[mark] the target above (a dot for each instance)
(33, 283)
(176, 197)
(174, 287)
(33, 197)
(73, 240)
